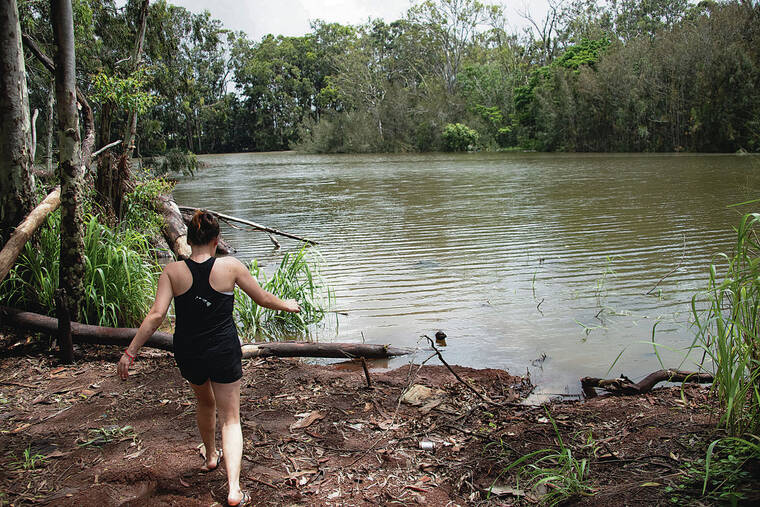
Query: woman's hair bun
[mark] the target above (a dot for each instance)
(203, 228)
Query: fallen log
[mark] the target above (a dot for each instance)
(85, 333)
(24, 231)
(623, 386)
(253, 225)
(175, 230)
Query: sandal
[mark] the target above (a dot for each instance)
(207, 469)
(243, 501)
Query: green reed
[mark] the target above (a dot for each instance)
(728, 330)
(120, 274)
(297, 277)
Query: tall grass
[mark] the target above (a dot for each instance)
(728, 330)
(120, 275)
(297, 277)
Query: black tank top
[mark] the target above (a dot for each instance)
(205, 325)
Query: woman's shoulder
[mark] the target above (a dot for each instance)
(227, 260)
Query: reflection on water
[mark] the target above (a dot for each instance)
(513, 255)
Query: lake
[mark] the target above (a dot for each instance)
(526, 261)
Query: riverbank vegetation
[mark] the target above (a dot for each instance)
(591, 75)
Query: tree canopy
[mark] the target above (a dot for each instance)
(622, 75)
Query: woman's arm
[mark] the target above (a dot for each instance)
(154, 319)
(250, 286)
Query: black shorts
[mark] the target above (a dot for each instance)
(222, 369)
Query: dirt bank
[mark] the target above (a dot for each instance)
(316, 435)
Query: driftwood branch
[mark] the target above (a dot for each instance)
(85, 333)
(253, 225)
(624, 386)
(24, 231)
(104, 148)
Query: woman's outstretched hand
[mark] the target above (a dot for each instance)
(292, 306)
(122, 368)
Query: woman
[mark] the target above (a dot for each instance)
(206, 344)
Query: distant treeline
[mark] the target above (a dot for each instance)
(618, 75)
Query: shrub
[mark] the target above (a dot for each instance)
(139, 207)
(177, 161)
(459, 137)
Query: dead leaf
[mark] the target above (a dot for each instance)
(135, 454)
(501, 490)
(21, 428)
(56, 454)
(430, 405)
(185, 484)
(307, 421)
(416, 394)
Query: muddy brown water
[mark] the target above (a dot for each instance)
(526, 261)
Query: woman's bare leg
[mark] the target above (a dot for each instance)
(228, 401)
(206, 416)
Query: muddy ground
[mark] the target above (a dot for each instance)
(316, 435)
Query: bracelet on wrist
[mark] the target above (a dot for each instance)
(130, 356)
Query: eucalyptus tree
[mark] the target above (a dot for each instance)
(451, 27)
(188, 72)
(277, 78)
(16, 186)
(71, 171)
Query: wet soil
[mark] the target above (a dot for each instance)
(317, 435)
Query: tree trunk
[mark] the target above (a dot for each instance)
(71, 269)
(16, 185)
(175, 230)
(50, 127)
(84, 333)
(24, 231)
(129, 134)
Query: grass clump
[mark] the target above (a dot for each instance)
(555, 475)
(97, 437)
(29, 460)
(728, 331)
(297, 277)
(120, 274)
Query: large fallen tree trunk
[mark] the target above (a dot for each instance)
(624, 386)
(24, 231)
(175, 230)
(85, 333)
(253, 225)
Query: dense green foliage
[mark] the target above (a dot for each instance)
(661, 75)
(458, 137)
(297, 277)
(139, 207)
(120, 275)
